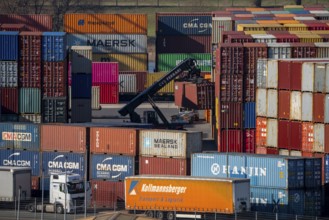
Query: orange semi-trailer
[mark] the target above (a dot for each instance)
(184, 196)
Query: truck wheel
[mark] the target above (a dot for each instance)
(31, 207)
(170, 216)
(149, 214)
(59, 209)
(159, 215)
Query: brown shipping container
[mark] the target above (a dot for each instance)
(231, 87)
(106, 23)
(231, 115)
(231, 141)
(303, 50)
(30, 74)
(13, 27)
(180, 93)
(230, 58)
(164, 166)
(63, 138)
(261, 131)
(30, 46)
(239, 38)
(284, 134)
(249, 140)
(252, 52)
(267, 150)
(199, 96)
(141, 77)
(284, 104)
(183, 44)
(113, 140)
(33, 22)
(225, 34)
(107, 194)
(290, 75)
(54, 79)
(249, 87)
(318, 107)
(9, 100)
(295, 135)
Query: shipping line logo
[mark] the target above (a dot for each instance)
(111, 43)
(16, 136)
(104, 168)
(194, 24)
(217, 169)
(157, 188)
(10, 161)
(57, 165)
(161, 143)
(82, 22)
(199, 62)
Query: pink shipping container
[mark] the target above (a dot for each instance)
(249, 140)
(107, 194)
(141, 79)
(164, 166)
(231, 87)
(303, 50)
(231, 139)
(267, 150)
(105, 72)
(111, 140)
(231, 115)
(33, 22)
(9, 100)
(284, 104)
(109, 92)
(63, 138)
(318, 107)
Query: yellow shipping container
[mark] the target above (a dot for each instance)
(296, 27)
(273, 27)
(293, 6)
(320, 32)
(267, 22)
(300, 32)
(309, 38)
(167, 89)
(255, 32)
(255, 9)
(249, 27)
(127, 62)
(288, 22)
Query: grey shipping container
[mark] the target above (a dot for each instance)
(8, 74)
(81, 59)
(54, 110)
(81, 110)
(29, 100)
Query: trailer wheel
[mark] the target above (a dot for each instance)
(149, 214)
(31, 207)
(159, 215)
(59, 209)
(170, 216)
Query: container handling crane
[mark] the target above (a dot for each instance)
(193, 75)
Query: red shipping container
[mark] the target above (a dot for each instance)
(180, 93)
(217, 85)
(284, 104)
(284, 134)
(286, 38)
(54, 79)
(253, 52)
(284, 69)
(267, 150)
(318, 107)
(199, 96)
(249, 88)
(239, 38)
(33, 22)
(13, 27)
(109, 92)
(326, 138)
(295, 135)
(141, 79)
(231, 87)
(317, 26)
(230, 58)
(107, 194)
(30, 46)
(296, 76)
(183, 44)
(261, 131)
(164, 166)
(249, 140)
(231, 141)
(307, 136)
(303, 50)
(30, 74)
(225, 34)
(9, 100)
(231, 115)
(111, 140)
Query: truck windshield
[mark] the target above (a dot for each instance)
(74, 188)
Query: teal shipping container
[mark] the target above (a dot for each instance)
(29, 100)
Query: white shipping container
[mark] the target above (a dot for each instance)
(33, 118)
(326, 109)
(272, 103)
(295, 105)
(272, 133)
(327, 79)
(304, 18)
(272, 74)
(322, 49)
(261, 102)
(318, 144)
(220, 24)
(95, 98)
(319, 77)
(81, 59)
(295, 153)
(279, 50)
(284, 152)
(264, 38)
(127, 83)
(166, 143)
(307, 106)
(262, 73)
(308, 77)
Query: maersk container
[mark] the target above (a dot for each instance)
(166, 143)
(279, 50)
(220, 24)
(111, 167)
(313, 172)
(57, 162)
(81, 86)
(168, 61)
(9, 45)
(54, 110)
(110, 43)
(249, 118)
(272, 103)
(8, 74)
(307, 106)
(105, 72)
(17, 158)
(81, 59)
(295, 105)
(29, 100)
(261, 102)
(54, 46)
(24, 136)
(183, 24)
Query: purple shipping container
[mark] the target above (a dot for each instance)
(105, 72)
(183, 44)
(33, 22)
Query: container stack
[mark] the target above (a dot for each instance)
(54, 79)
(9, 92)
(81, 58)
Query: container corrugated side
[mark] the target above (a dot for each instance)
(65, 138)
(272, 103)
(151, 78)
(33, 22)
(140, 79)
(163, 166)
(249, 140)
(9, 45)
(110, 43)
(230, 140)
(249, 119)
(106, 23)
(95, 98)
(127, 84)
(17, 158)
(81, 58)
(30, 100)
(308, 77)
(295, 105)
(8, 73)
(162, 143)
(279, 50)
(261, 102)
(272, 133)
(54, 79)
(105, 72)
(220, 24)
(54, 46)
(81, 110)
(262, 72)
(313, 173)
(109, 93)
(307, 106)
(54, 110)
(183, 44)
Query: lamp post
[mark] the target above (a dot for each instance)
(225, 110)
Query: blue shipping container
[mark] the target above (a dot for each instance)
(263, 170)
(9, 45)
(111, 167)
(314, 200)
(249, 115)
(184, 25)
(15, 135)
(56, 162)
(19, 158)
(81, 86)
(54, 46)
(313, 172)
(326, 169)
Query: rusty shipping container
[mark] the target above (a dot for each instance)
(108, 194)
(267, 150)
(9, 100)
(231, 87)
(199, 96)
(183, 44)
(252, 52)
(231, 115)
(111, 140)
(164, 166)
(136, 79)
(249, 89)
(230, 58)
(64, 138)
(261, 131)
(32, 22)
(284, 104)
(318, 107)
(106, 23)
(249, 140)
(313, 137)
(230, 140)
(54, 79)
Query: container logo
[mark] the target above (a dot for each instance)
(256, 200)
(56, 165)
(104, 168)
(216, 169)
(194, 24)
(132, 190)
(10, 161)
(16, 136)
(81, 22)
(163, 189)
(111, 43)
(205, 63)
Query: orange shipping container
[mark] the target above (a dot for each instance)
(114, 140)
(261, 131)
(188, 194)
(106, 23)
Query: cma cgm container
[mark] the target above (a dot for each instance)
(110, 43)
(81, 59)
(263, 170)
(108, 194)
(111, 167)
(105, 72)
(106, 23)
(8, 74)
(183, 24)
(183, 44)
(218, 195)
(54, 110)
(9, 45)
(165, 143)
(25, 136)
(54, 46)
(17, 158)
(57, 162)
(33, 22)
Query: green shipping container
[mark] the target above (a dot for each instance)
(29, 100)
(168, 61)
